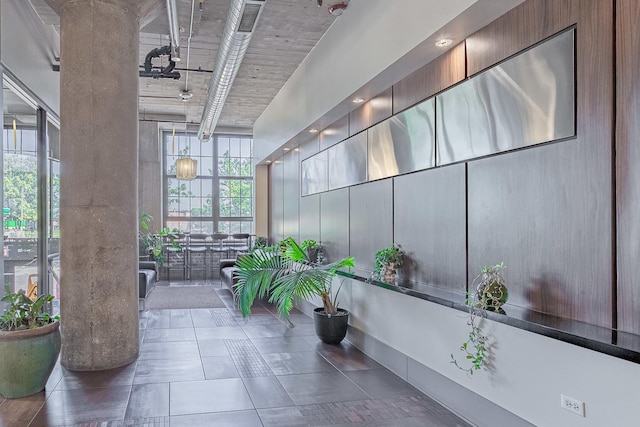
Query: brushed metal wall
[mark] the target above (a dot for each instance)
(546, 212)
(334, 223)
(310, 218)
(310, 147)
(348, 162)
(371, 219)
(526, 100)
(403, 143)
(429, 225)
(334, 133)
(371, 112)
(291, 211)
(276, 200)
(314, 174)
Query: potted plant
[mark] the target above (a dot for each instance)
(312, 248)
(388, 260)
(285, 274)
(260, 242)
(489, 295)
(29, 344)
(150, 244)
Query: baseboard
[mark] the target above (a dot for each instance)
(467, 404)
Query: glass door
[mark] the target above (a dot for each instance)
(20, 194)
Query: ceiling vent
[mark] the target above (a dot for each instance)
(241, 21)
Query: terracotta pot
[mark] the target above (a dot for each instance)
(28, 357)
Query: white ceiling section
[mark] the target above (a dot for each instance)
(355, 55)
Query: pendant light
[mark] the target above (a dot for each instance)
(186, 167)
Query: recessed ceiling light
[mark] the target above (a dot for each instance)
(286, 149)
(313, 130)
(296, 149)
(357, 100)
(444, 42)
(268, 161)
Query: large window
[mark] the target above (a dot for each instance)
(220, 198)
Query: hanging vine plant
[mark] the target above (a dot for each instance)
(488, 293)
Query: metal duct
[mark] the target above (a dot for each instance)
(241, 21)
(174, 30)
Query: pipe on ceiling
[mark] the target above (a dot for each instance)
(241, 21)
(174, 30)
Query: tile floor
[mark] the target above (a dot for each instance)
(211, 367)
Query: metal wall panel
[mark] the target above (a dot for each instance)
(276, 201)
(439, 74)
(348, 162)
(309, 148)
(429, 225)
(371, 112)
(371, 219)
(546, 212)
(291, 212)
(314, 177)
(310, 218)
(334, 133)
(334, 224)
(526, 100)
(403, 143)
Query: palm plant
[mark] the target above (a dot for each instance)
(285, 273)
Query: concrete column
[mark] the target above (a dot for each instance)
(98, 199)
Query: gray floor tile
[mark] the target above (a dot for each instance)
(181, 319)
(289, 344)
(346, 357)
(99, 379)
(160, 371)
(381, 383)
(297, 363)
(148, 400)
(77, 406)
(220, 333)
(267, 392)
(268, 330)
(158, 319)
(167, 335)
(222, 419)
(247, 359)
(171, 350)
(219, 367)
(282, 417)
(305, 389)
(211, 348)
(196, 397)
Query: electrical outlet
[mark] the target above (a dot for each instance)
(572, 405)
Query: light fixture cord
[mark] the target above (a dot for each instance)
(173, 137)
(15, 135)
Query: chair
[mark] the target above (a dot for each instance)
(197, 254)
(32, 287)
(174, 254)
(218, 244)
(240, 242)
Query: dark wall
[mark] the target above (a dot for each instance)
(549, 211)
(627, 163)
